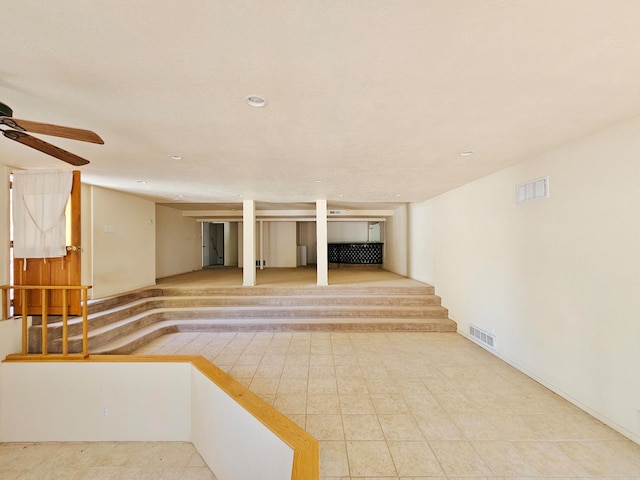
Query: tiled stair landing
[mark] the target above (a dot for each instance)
(124, 323)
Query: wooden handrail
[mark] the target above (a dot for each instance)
(44, 289)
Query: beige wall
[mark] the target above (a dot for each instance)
(5, 225)
(307, 237)
(144, 401)
(395, 241)
(178, 242)
(123, 233)
(10, 330)
(226, 435)
(421, 248)
(555, 280)
(86, 237)
(347, 232)
(10, 342)
(231, 244)
(279, 244)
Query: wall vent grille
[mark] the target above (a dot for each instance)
(533, 190)
(483, 337)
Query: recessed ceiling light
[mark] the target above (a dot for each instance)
(466, 154)
(176, 157)
(141, 181)
(256, 101)
(318, 180)
(341, 194)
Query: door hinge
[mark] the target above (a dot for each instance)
(10, 243)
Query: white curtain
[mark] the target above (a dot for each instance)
(39, 201)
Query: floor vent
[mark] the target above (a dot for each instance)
(483, 337)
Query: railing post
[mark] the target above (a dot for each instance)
(45, 294)
(65, 335)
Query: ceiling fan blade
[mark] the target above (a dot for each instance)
(44, 147)
(55, 130)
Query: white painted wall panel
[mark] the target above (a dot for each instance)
(124, 242)
(347, 232)
(556, 279)
(53, 401)
(280, 244)
(233, 442)
(395, 231)
(178, 242)
(145, 401)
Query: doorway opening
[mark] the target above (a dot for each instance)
(213, 244)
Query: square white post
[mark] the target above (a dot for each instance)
(322, 266)
(248, 243)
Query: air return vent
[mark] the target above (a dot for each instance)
(533, 190)
(483, 337)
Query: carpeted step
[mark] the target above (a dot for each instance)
(136, 339)
(122, 322)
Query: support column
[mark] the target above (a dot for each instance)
(321, 242)
(248, 243)
(261, 259)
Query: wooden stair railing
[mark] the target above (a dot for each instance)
(44, 289)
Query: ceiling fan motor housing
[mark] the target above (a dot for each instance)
(5, 110)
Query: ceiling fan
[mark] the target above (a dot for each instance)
(19, 128)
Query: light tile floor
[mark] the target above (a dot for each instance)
(401, 406)
(393, 406)
(102, 461)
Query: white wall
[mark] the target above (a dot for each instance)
(230, 244)
(10, 330)
(422, 253)
(280, 244)
(555, 280)
(178, 242)
(395, 241)
(356, 232)
(86, 237)
(4, 225)
(124, 250)
(240, 244)
(10, 342)
(146, 401)
(10, 337)
(228, 437)
(307, 237)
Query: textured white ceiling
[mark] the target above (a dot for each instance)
(374, 98)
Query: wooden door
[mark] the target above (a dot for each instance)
(54, 271)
